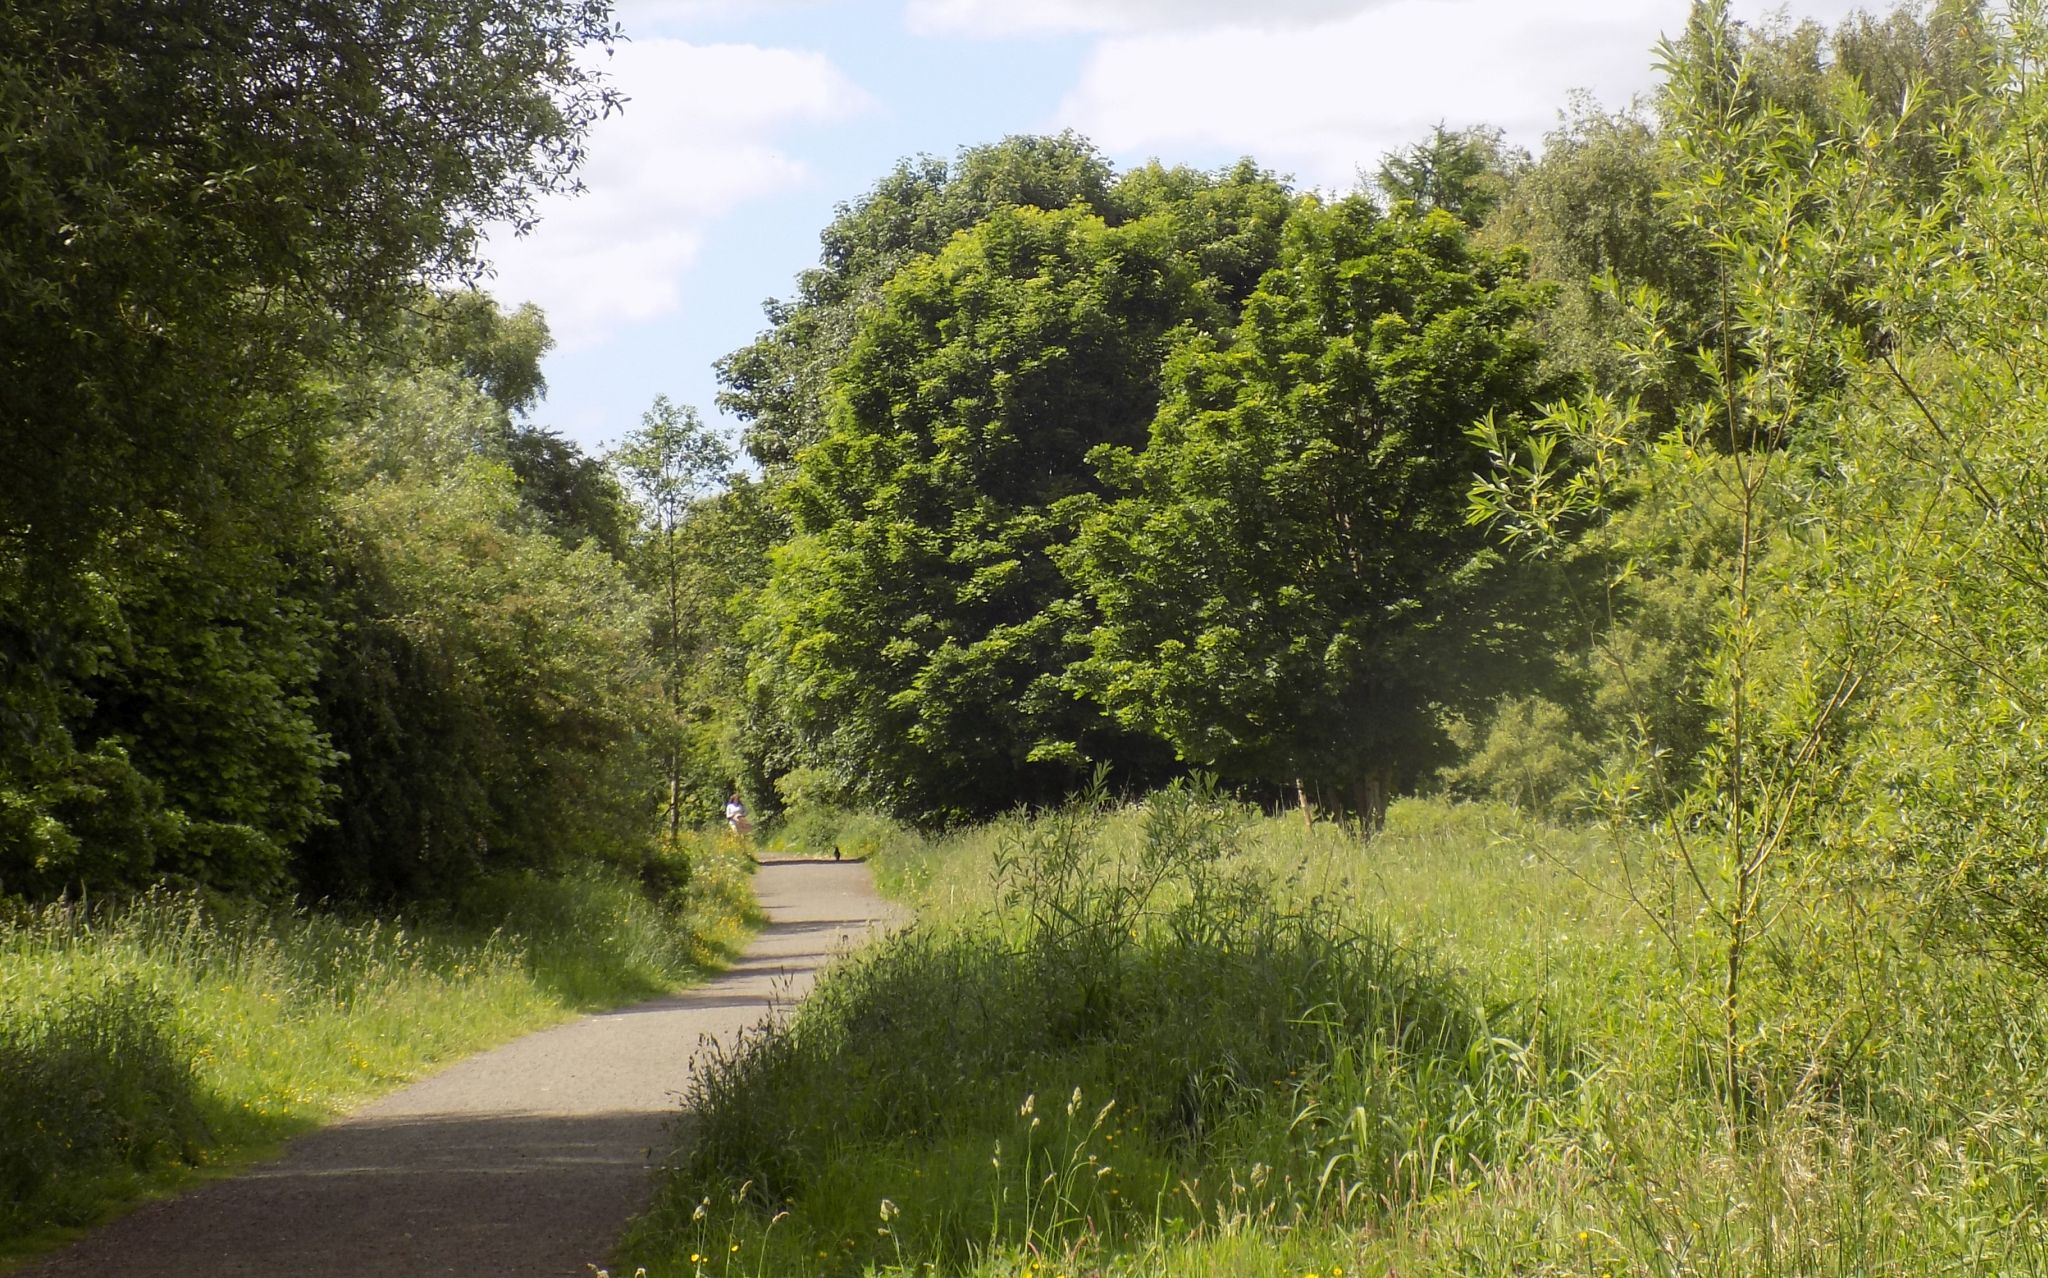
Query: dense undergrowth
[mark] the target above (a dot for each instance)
(141, 1040)
(1180, 1038)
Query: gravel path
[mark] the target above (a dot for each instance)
(527, 1160)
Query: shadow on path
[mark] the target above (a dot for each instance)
(526, 1160)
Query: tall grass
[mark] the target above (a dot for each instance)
(1179, 1038)
(1144, 1040)
(140, 1041)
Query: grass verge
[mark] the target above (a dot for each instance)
(145, 1042)
(1179, 1038)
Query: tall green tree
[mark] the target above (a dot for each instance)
(463, 333)
(780, 384)
(485, 681)
(916, 626)
(209, 212)
(201, 197)
(499, 353)
(1589, 216)
(669, 465)
(1929, 486)
(732, 729)
(1228, 222)
(1269, 579)
(1641, 317)
(1464, 172)
(1829, 262)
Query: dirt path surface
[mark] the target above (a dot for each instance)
(527, 1160)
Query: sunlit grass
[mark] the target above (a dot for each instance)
(1491, 1061)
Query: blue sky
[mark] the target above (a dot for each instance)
(750, 119)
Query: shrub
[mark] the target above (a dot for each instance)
(1530, 757)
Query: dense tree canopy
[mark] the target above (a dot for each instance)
(1269, 587)
(917, 617)
(1464, 172)
(487, 686)
(213, 238)
(925, 406)
(199, 195)
(780, 385)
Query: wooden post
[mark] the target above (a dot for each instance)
(1371, 791)
(1308, 817)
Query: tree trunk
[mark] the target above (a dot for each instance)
(1372, 791)
(673, 660)
(675, 797)
(1308, 816)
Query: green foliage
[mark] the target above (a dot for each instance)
(1780, 558)
(669, 464)
(1590, 216)
(422, 662)
(1578, 1136)
(204, 255)
(915, 624)
(1780, 681)
(575, 496)
(500, 354)
(1587, 214)
(490, 685)
(1143, 1041)
(464, 334)
(189, 216)
(1930, 483)
(1268, 587)
(1818, 216)
(1032, 345)
(732, 727)
(1464, 172)
(1528, 755)
(94, 1084)
(815, 820)
(781, 384)
(170, 727)
(1230, 222)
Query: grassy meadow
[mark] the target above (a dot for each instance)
(1183, 1038)
(144, 1041)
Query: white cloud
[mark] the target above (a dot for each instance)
(698, 138)
(1016, 17)
(1327, 100)
(651, 16)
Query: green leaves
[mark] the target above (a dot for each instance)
(917, 618)
(192, 213)
(489, 684)
(212, 222)
(1286, 533)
